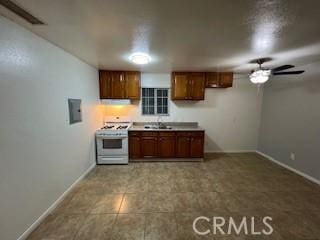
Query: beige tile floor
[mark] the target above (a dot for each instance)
(160, 201)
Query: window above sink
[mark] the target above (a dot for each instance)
(155, 101)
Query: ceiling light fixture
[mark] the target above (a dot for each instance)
(260, 76)
(140, 58)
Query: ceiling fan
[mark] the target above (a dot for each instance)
(261, 75)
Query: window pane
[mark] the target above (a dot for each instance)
(151, 92)
(162, 101)
(144, 110)
(151, 110)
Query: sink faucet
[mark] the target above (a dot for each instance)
(159, 121)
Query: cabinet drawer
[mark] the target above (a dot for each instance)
(167, 134)
(191, 133)
(137, 133)
(181, 133)
(197, 133)
(149, 134)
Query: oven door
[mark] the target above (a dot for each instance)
(112, 145)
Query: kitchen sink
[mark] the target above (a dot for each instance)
(161, 126)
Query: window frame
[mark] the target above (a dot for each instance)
(156, 102)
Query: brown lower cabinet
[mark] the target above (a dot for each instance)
(134, 145)
(149, 144)
(183, 146)
(167, 144)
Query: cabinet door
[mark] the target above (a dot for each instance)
(105, 84)
(166, 146)
(132, 80)
(149, 146)
(118, 85)
(212, 80)
(134, 146)
(183, 146)
(179, 86)
(196, 146)
(225, 79)
(197, 86)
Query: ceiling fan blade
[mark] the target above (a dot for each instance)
(281, 68)
(288, 73)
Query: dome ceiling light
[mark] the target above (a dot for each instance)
(140, 58)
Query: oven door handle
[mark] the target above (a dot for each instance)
(112, 137)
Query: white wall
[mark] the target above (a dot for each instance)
(290, 120)
(41, 155)
(231, 117)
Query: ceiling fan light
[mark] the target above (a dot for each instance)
(260, 76)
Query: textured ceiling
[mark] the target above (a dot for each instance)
(180, 34)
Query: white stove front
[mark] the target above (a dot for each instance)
(112, 141)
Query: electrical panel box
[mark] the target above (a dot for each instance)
(74, 110)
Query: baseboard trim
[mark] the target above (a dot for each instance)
(230, 151)
(54, 205)
(312, 179)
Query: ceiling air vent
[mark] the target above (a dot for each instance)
(20, 11)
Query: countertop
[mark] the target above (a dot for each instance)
(175, 126)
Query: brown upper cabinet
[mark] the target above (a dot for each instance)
(105, 84)
(119, 84)
(132, 80)
(219, 79)
(118, 90)
(187, 85)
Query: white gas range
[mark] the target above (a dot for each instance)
(112, 141)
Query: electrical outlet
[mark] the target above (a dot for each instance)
(292, 156)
